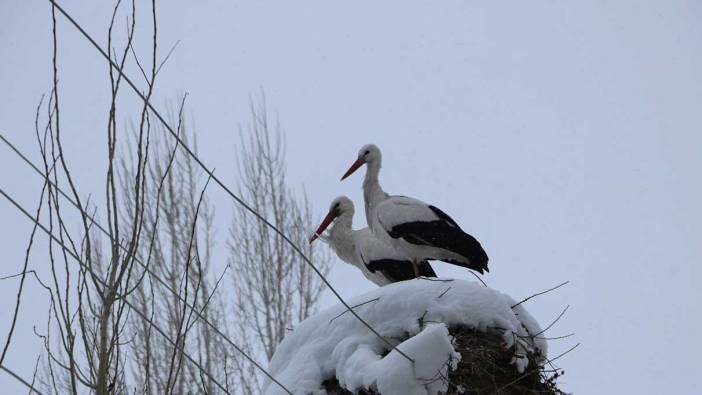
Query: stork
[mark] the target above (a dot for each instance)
(378, 261)
(416, 229)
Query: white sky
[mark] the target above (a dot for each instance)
(565, 137)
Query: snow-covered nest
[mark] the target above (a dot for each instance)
(416, 316)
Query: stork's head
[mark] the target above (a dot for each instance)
(341, 206)
(369, 153)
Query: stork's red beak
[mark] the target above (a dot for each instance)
(358, 163)
(327, 220)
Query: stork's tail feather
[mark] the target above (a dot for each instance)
(468, 265)
(467, 246)
(444, 234)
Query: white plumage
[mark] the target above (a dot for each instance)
(414, 228)
(378, 261)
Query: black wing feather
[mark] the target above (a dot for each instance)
(399, 270)
(446, 234)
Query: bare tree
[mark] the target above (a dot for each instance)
(296, 288)
(135, 303)
(274, 287)
(99, 281)
(180, 252)
(83, 337)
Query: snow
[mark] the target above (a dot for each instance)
(333, 343)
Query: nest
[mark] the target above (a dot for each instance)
(484, 368)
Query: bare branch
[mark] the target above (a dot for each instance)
(541, 293)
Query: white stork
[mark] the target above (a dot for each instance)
(416, 229)
(378, 261)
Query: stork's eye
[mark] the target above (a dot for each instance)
(336, 205)
(366, 153)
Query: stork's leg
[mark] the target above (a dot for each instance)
(415, 265)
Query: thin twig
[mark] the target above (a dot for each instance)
(441, 280)
(444, 293)
(478, 277)
(554, 321)
(541, 293)
(23, 277)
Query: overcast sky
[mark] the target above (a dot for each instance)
(566, 137)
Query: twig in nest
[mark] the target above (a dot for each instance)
(541, 293)
(420, 320)
(554, 321)
(478, 277)
(441, 280)
(444, 293)
(527, 374)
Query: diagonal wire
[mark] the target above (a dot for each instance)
(20, 379)
(218, 181)
(156, 276)
(102, 282)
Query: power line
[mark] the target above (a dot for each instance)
(102, 282)
(156, 276)
(219, 182)
(20, 379)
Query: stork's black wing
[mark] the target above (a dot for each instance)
(399, 270)
(444, 233)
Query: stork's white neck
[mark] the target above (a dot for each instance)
(373, 193)
(340, 236)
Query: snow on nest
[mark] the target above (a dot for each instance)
(334, 343)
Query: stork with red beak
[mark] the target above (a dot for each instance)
(417, 230)
(378, 261)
